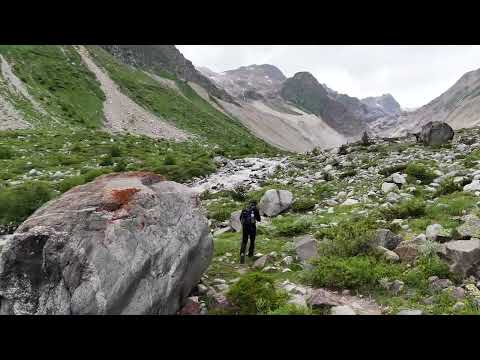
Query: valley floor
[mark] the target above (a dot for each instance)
(341, 201)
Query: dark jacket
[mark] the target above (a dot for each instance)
(246, 211)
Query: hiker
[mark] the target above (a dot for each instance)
(248, 218)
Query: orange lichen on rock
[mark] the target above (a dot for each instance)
(118, 198)
(123, 196)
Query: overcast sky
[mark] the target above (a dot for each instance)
(414, 75)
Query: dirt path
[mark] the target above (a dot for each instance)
(124, 115)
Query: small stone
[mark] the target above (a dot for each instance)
(389, 187)
(342, 310)
(221, 287)
(436, 232)
(473, 186)
(202, 289)
(218, 281)
(288, 260)
(398, 179)
(350, 202)
(410, 312)
(458, 306)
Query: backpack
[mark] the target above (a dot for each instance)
(247, 216)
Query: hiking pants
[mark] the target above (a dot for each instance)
(249, 231)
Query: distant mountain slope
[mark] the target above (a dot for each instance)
(261, 108)
(164, 60)
(459, 106)
(385, 103)
(307, 93)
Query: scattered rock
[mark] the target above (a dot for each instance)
(399, 179)
(463, 255)
(473, 186)
(437, 233)
(407, 251)
(342, 310)
(234, 222)
(261, 262)
(306, 247)
(389, 187)
(410, 312)
(388, 254)
(470, 228)
(349, 202)
(387, 239)
(458, 306)
(438, 284)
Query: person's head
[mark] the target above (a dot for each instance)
(253, 203)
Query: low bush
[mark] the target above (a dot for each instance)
(291, 225)
(71, 182)
(448, 187)
(303, 204)
(356, 273)
(349, 238)
(406, 209)
(255, 293)
(389, 170)
(420, 171)
(291, 309)
(19, 202)
(5, 153)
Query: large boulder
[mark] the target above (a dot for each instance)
(436, 133)
(464, 256)
(273, 202)
(129, 243)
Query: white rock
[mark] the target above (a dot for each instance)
(398, 179)
(349, 202)
(342, 310)
(474, 186)
(392, 197)
(389, 187)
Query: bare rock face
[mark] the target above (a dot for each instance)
(129, 243)
(234, 222)
(436, 133)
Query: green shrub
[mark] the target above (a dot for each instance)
(425, 267)
(108, 161)
(5, 153)
(255, 293)
(389, 170)
(291, 309)
(71, 182)
(115, 151)
(303, 204)
(239, 193)
(356, 273)
(290, 225)
(348, 173)
(349, 238)
(420, 171)
(406, 209)
(448, 187)
(169, 160)
(92, 174)
(19, 202)
(120, 166)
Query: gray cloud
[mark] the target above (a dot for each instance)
(413, 74)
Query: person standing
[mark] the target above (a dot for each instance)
(248, 218)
